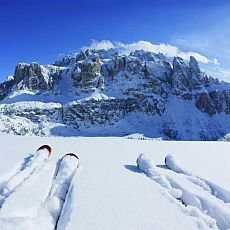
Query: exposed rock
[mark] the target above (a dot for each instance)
(68, 60)
(6, 87)
(170, 131)
(212, 102)
(197, 77)
(90, 72)
(81, 56)
(181, 75)
(108, 112)
(116, 65)
(194, 66)
(35, 77)
(226, 94)
(33, 111)
(204, 103)
(187, 77)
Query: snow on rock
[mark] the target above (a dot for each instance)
(94, 89)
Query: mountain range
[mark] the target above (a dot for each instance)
(110, 93)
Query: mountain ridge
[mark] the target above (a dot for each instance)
(104, 92)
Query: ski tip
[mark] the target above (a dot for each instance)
(47, 147)
(72, 155)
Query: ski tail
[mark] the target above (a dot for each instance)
(46, 147)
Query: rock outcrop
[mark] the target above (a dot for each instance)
(35, 77)
(214, 102)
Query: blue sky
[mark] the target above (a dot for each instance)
(41, 30)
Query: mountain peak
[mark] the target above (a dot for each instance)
(193, 65)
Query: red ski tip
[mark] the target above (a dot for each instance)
(47, 147)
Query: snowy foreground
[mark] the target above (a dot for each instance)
(108, 190)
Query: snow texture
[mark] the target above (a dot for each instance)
(195, 195)
(214, 189)
(147, 166)
(34, 163)
(110, 192)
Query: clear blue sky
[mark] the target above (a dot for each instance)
(40, 30)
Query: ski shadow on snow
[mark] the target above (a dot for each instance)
(133, 168)
(26, 161)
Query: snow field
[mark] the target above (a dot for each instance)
(109, 191)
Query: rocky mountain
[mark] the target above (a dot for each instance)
(106, 92)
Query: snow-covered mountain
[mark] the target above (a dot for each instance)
(107, 92)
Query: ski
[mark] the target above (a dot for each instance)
(47, 148)
(65, 170)
(30, 165)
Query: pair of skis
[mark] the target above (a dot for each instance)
(65, 170)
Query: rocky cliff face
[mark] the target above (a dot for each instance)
(108, 93)
(32, 77)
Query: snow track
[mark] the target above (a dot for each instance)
(32, 164)
(212, 188)
(191, 192)
(111, 192)
(65, 170)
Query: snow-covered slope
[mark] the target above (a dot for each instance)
(109, 93)
(108, 190)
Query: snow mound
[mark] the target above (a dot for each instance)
(174, 165)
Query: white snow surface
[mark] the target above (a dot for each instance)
(109, 191)
(32, 164)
